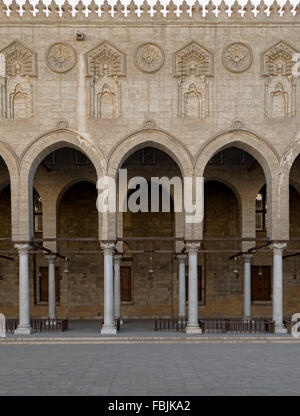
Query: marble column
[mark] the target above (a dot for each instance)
(193, 324)
(24, 327)
(277, 300)
(181, 285)
(108, 327)
(117, 286)
(51, 286)
(247, 285)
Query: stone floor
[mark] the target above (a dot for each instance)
(145, 369)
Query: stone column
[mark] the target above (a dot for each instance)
(24, 327)
(277, 287)
(117, 286)
(181, 285)
(247, 285)
(108, 327)
(51, 286)
(193, 324)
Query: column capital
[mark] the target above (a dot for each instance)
(51, 258)
(192, 247)
(247, 257)
(23, 248)
(181, 258)
(278, 247)
(108, 248)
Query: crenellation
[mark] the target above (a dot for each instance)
(185, 10)
(223, 9)
(171, 10)
(196, 11)
(236, 11)
(249, 11)
(158, 12)
(210, 10)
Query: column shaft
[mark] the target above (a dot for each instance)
(247, 286)
(277, 300)
(24, 327)
(109, 323)
(51, 287)
(193, 324)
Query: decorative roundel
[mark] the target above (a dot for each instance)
(237, 57)
(149, 57)
(61, 57)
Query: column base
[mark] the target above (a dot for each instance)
(2, 335)
(24, 330)
(280, 329)
(109, 330)
(193, 330)
(247, 318)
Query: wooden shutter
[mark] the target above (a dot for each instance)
(125, 283)
(44, 284)
(57, 284)
(199, 284)
(261, 285)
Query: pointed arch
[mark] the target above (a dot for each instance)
(242, 139)
(33, 156)
(150, 138)
(267, 158)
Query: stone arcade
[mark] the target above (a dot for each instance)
(161, 92)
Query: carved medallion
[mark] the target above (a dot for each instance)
(237, 57)
(149, 57)
(61, 57)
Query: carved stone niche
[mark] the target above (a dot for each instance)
(106, 65)
(280, 86)
(192, 65)
(18, 66)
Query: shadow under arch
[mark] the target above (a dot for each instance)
(229, 185)
(244, 140)
(150, 138)
(69, 185)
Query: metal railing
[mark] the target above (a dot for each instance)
(170, 324)
(40, 325)
(218, 325)
(236, 326)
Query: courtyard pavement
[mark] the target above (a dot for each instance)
(145, 369)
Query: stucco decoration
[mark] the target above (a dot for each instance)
(61, 57)
(237, 57)
(149, 57)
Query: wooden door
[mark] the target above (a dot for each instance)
(126, 283)
(261, 284)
